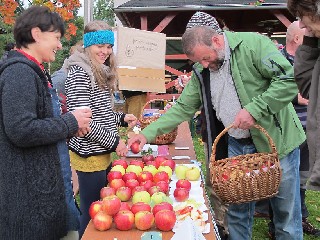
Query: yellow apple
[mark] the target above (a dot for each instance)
(180, 171)
(193, 174)
(167, 169)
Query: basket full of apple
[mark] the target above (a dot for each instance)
(145, 193)
(248, 177)
(146, 119)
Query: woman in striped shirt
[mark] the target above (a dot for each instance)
(90, 83)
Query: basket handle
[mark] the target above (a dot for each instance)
(271, 142)
(147, 103)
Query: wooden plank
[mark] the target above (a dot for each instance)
(162, 25)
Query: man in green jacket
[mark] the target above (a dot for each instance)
(242, 79)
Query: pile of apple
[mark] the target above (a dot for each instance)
(145, 184)
(125, 216)
(152, 177)
(184, 175)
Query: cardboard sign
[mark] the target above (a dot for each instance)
(140, 58)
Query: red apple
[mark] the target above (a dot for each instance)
(102, 221)
(140, 206)
(165, 220)
(151, 163)
(147, 158)
(135, 147)
(169, 162)
(144, 176)
(124, 220)
(125, 206)
(164, 186)
(132, 183)
(147, 184)
(161, 176)
(107, 191)
(137, 163)
(183, 183)
(124, 193)
(235, 161)
(181, 194)
(111, 205)
(225, 176)
(138, 189)
(117, 183)
(94, 208)
(114, 175)
(159, 160)
(154, 189)
(129, 175)
(143, 220)
(121, 162)
(162, 206)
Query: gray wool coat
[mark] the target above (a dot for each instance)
(32, 199)
(307, 75)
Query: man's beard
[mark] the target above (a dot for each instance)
(216, 65)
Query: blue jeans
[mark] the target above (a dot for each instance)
(286, 204)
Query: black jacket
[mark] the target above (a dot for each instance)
(32, 199)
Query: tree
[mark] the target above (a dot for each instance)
(103, 10)
(10, 9)
(68, 9)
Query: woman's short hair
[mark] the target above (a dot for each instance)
(36, 16)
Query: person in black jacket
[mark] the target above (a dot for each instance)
(9, 46)
(34, 176)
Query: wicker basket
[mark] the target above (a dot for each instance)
(248, 177)
(145, 121)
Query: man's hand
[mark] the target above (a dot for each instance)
(121, 149)
(302, 101)
(178, 86)
(243, 120)
(137, 138)
(131, 120)
(181, 82)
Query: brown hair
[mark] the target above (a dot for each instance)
(36, 16)
(300, 8)
(103, 79)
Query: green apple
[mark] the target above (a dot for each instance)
(134, 168)
(142, 196)
(158, 197)
(167, 169)
(180, 171)
(193, 174)
(150, 168)
(118, 168)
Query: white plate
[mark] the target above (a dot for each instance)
(145, 148)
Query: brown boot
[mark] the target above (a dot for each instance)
(308, 228)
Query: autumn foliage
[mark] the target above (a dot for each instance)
(65, 9)
(7, 8)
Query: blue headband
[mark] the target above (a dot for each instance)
(98, 37)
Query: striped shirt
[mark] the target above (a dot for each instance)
(103, 138)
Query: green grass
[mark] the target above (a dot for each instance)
(260, 226)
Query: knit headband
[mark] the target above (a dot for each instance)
(203, 19)
(98, 37)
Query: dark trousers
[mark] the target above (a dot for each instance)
(90, 184)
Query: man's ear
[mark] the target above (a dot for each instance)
(216, 41)
(36, 33)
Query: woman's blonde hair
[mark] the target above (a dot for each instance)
(102, 77)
